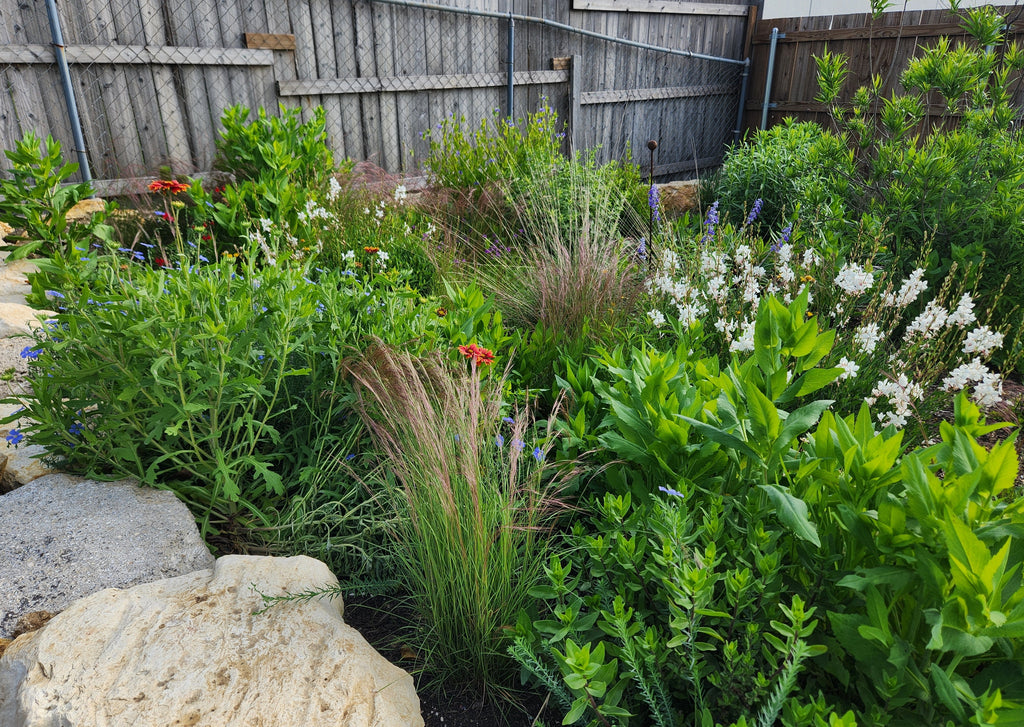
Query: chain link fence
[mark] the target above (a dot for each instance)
(152, 77)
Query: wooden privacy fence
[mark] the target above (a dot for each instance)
(152, 77)
(880, 46)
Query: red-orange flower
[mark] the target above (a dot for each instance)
(370, 249)
(169, 185)
(480, 355)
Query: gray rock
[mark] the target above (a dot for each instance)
(65, 537)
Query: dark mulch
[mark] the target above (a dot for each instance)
(382, 623)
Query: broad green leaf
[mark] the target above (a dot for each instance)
(722, 437)
(792, 512)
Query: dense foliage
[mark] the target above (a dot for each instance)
(728, 473)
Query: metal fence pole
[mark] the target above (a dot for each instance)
(511, 65)
(744, 82)
(69, 91)
(768, 80)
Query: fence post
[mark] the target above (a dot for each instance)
(768, 80)
(69, 91)
(511, 66)
(575, 66)
(744, 82)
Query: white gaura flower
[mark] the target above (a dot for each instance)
(811, 258)
(964, 313)
(657, 317)
(854, 280)
(745, 341)
(850, 368)
(401, 193)
(912, 287)
(930, 322)
(983, 340)
(989, 391)
(867, 337)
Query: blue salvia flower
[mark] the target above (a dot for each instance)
(710, 222)
(641, 250)
(14, 436)
(654, 202)
(538, 454)
(31, 353)
(76, 429)
(755, 210)
(786, 232)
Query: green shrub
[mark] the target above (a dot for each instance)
(36, 199)
(791, 167)
(957, 186)
(663, 611)
(211, 379)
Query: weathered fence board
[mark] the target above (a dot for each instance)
(154, 76)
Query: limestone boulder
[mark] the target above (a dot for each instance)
(679, 197)
(65, 537)
(191, 651)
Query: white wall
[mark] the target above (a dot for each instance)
(809, 8)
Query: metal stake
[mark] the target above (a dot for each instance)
(69, 92)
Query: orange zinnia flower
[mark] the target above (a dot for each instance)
(371, 250)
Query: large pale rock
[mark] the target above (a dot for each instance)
(65, 537)
(24, 463)
(190, 651)
(679, 197)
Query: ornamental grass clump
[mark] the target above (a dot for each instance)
(468, 483)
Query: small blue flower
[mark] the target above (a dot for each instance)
(55, 294)
(519, 444)
(755, 210)
(499, 441)
(670, 491)
(350, 457)
(76, 429)
(508, 420)
(538, 454)
(31, 353)
(654, 202)
(202, 258)
(14, 436)
(146, 244)
(641, 250)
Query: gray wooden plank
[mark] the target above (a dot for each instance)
(137, 55)
(366, 65)
(384, 46)
(327, 67)
(411, 61)
(663, 6)
(279, 21)
(178, 151)
(412, 84)
(145, 103)
(305, 48)
(232, 32)
(202, 120)
(345, 62)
